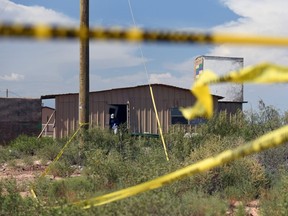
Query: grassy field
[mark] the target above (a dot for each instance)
(110, 162)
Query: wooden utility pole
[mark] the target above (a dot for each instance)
(84, 68)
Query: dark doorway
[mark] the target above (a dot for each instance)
(120, 112)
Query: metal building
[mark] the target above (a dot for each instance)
(131, 105)
(232, 93)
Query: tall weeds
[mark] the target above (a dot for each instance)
(109, 162)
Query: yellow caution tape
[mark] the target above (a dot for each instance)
(135, 35)
(46, 171)
(33, 194)
(159, 124)
(269, 140)
(262, 73)
(60, 153)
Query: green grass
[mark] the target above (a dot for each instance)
(111, 162)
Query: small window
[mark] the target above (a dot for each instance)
(177, 117)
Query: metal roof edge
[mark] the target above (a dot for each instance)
(53, 96)
(48, 107)
(220, 57)
(232, 101)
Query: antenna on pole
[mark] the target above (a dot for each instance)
(6, 93)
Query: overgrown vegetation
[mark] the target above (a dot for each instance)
(110, 162)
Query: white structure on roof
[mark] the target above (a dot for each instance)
(231, 92)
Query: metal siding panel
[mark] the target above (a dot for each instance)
(74, 108)
(133, 115)
(142, 115)
(61, 125)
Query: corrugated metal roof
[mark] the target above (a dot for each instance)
(139, 86)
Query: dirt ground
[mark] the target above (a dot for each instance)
(26, 174)
(23, 174)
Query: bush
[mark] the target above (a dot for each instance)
(11, 203)
(224, 125)
(61, 169)
(275, 201)
(26, 145)
(274, 160)
(49, 151)
(111, 162)
(247, 175)
(4, 154)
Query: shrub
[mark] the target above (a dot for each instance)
(49, 151)
(181, 144)
(11, 203)
(247, 175)
(275, 201)
(26, 145)
(111, 162)
(4, 154)
(61, 169)
(274, 159)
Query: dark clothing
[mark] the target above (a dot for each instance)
(113, 123)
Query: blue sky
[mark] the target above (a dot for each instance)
(33, 68)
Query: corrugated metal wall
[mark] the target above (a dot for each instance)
(142, 117)
(230, 107)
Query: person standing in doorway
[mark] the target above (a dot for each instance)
(113, 123)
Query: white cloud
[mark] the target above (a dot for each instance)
(258, 17)
(117, 81)
(182, 80)
(159, 78)
(52, 67)
(12, 77)
(106, 55)
(19, 13)
(185, 66)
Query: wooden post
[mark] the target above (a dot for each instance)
(84, 69)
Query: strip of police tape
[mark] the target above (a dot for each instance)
(269, 140)
(159, 124)
(46, 171)
(134, 35)
(262, 73)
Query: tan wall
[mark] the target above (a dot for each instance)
(46, 113)
(229, 107)
(48, 127)
(142, 116)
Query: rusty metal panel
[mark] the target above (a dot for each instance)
(19, 116)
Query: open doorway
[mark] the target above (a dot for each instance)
(119, 111)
